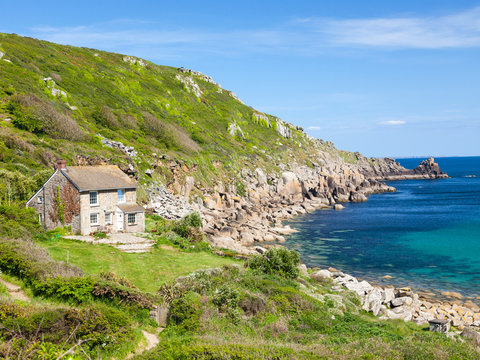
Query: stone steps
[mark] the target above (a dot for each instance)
(129, 243)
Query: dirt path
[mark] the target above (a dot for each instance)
(15, 291)
(152, 341)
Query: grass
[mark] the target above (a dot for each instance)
(147, 271)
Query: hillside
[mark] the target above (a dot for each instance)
(56, 100)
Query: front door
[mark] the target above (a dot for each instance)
(119, 220)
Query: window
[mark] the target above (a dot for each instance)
(93, 219)
(93, 198)
(121, 195)
(132, 219)
(40, 200)
(108, 218)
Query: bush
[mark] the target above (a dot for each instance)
(100, 235)
(17, 221)
(277, 261)
(59, 329)
(226, 298)
(105, 117)
(186, 311)
(194, 220)
(37, 116)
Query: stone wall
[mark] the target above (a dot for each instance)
(48, 208)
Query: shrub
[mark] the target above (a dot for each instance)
(193, 219)
(226, 298)
(16, 221)
(37, 116)
(105, 117)
(122, 294)
(186, 311)
(59, 329)
(252, 305)
(100, 235)
(277, 261)
(77, 290)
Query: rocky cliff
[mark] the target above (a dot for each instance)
(240, 223)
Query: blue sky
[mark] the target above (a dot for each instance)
(386, 78)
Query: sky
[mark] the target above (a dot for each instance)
(385, 78)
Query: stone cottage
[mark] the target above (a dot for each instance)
(89, 199)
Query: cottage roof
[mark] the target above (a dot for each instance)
(131, 208)
(102, 177)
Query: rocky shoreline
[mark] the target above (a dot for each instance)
(402, 303)
(243, 223)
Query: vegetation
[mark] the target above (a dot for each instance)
(241, 313)
(54, 102)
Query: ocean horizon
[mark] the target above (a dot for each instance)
(426, 235)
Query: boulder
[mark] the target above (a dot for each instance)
(289, 185)
(322, 274)
(373, 301)
(404, 300)
(439, 325)
(303, 269)
(469, 333)
(338, 207)
(360, 288)
(357, 197)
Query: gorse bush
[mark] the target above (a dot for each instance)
(277, 261)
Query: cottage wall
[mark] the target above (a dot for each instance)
(107, 203)
(48, 211)
(139, 226)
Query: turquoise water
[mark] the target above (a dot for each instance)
(426, 235)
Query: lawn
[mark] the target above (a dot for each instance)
(147, 271)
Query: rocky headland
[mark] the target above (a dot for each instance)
(242, 223)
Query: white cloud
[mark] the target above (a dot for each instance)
(457, 30)
(392, 122)
(314, 128)
(302, 37)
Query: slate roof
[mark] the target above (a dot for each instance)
(101, 177)
(131, 208)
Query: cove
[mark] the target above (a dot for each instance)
(426, 235)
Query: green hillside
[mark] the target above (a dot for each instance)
(56, 100)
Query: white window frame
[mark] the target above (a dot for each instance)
(98, 219)
(128, 219)
(108, 218)
(40, 199)
(124, 196)
(90, 198)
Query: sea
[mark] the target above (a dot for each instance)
(426, 235)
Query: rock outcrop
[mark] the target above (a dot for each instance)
(389, 169)
(404, 304)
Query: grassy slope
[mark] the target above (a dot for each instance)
(113, 97)
(147, 271)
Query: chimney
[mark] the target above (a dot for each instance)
(61, 164)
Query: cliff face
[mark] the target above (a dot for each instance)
(239, 223)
